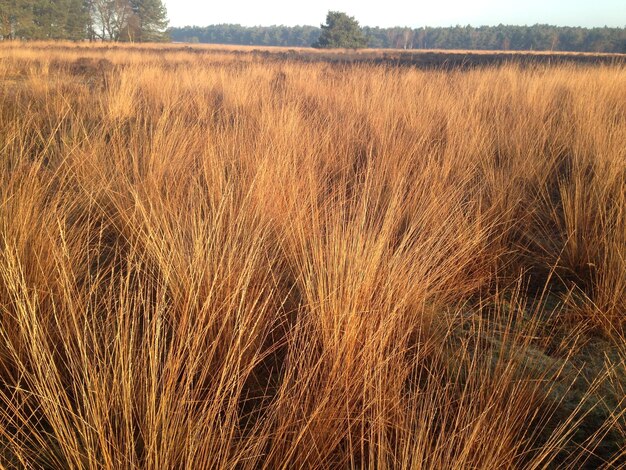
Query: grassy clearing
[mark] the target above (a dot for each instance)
(213, 261)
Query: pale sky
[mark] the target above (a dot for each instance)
(400, 12)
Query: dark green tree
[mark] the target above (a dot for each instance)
(61, 19)
(15, 18)
(341, 31)
(147, 21)
(78, 21)
(44, 19)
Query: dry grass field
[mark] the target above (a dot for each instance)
(220, 261)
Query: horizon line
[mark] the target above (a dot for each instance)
(399, 26)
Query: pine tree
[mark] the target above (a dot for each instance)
(341, 31)
(8, 18)
(148, 21)
(16, 19)
(78, 22)
(44, 19)
(49, 18)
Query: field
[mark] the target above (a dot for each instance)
(215, 258)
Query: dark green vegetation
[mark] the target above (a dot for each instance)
(341, 31)
(115, 20)
(520, 38)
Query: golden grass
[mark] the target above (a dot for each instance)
(208, 261)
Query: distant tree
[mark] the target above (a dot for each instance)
(341, 31)
(109, 18)
(15, 18)
(78, 20)
(129, 20)
(147, 21)
(44, 19)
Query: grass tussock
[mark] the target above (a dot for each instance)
(210, 261)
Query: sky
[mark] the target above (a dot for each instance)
(413, 13)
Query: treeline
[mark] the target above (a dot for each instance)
(291, 36)
(109, 20)
(502, 37)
